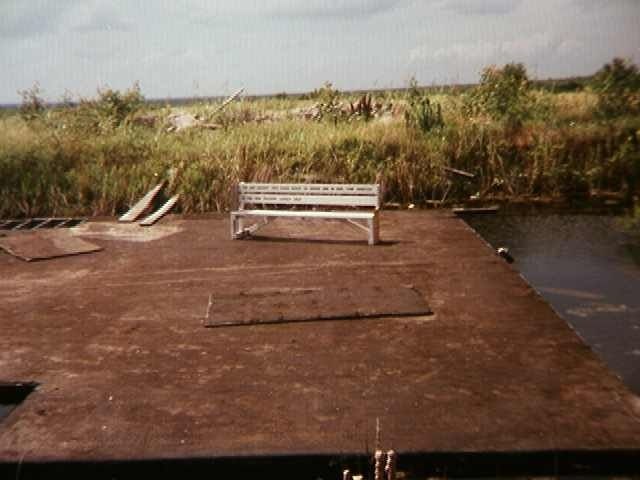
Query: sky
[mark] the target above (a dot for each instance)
(185, 48)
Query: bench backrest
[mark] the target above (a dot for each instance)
(320, 194)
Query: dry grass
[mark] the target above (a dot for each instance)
(59, 165)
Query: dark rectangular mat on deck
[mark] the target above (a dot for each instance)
(45, 244)
(279, 305)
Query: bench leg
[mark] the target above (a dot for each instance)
(233, 227)
(236, 227)
(374, 229)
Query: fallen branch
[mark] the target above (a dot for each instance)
(228, 100)
(462, 173)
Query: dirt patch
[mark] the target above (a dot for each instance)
(128, 232)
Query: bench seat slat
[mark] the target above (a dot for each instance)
(316, 188)
(354, 215)
(308, 199)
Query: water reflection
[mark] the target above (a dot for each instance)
(588, 268)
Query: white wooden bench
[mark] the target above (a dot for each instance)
(264, 198)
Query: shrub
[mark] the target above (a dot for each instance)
(617, 85)
(328, 102)
(109, 110)
(117, 106)
(504, 94)
(33, 106)
(422, 113)
(325, 94)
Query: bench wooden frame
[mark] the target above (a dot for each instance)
(353, 196)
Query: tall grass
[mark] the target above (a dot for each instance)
(75, 160)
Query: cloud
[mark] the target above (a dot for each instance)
(22, 19)
(586, 5)
(96, 52)
(516, 49)
(480, 7)
(527, 46)
(104, 18)
(275, 45)
(210, 12)
(335, 8)
(38, 17)
(570, 46)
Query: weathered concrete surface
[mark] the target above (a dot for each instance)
(127, 370)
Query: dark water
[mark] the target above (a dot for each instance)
(4, 410)
(12, 394)
(588, 268)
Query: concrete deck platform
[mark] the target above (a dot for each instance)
(127, 371)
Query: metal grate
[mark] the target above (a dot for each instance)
(38, 223)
